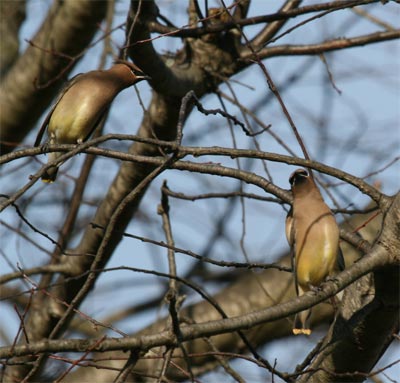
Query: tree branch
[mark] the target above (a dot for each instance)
(383, 254)
(327, 46)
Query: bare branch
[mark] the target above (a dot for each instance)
(327, 46)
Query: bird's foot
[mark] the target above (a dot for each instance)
(44, 147)
(315, 289)
(330, 278)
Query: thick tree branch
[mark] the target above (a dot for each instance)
(12, 14)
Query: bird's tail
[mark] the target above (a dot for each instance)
(50, 175)
(301, 323)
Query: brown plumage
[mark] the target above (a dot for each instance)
(313, 234)
(82, 104)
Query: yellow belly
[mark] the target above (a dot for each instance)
(69, 127)
(317, 258)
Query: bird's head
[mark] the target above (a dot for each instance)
(298, 177)
(130, 72)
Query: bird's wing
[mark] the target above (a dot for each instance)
(102, 114)
(340, 260)
(42, 129)
(289, 230)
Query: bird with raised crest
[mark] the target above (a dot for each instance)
(313, 234)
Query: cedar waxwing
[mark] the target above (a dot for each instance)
(82, 104)
(313, 234)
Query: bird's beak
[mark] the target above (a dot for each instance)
(144, 77)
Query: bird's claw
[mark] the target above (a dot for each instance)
(44, 147)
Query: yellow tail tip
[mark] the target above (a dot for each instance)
(301, 331)
(47, 181)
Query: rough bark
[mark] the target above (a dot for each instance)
(12, 14)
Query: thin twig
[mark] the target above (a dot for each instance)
(172, 294)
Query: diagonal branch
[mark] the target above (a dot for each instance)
(327, 46)
(272, 28)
